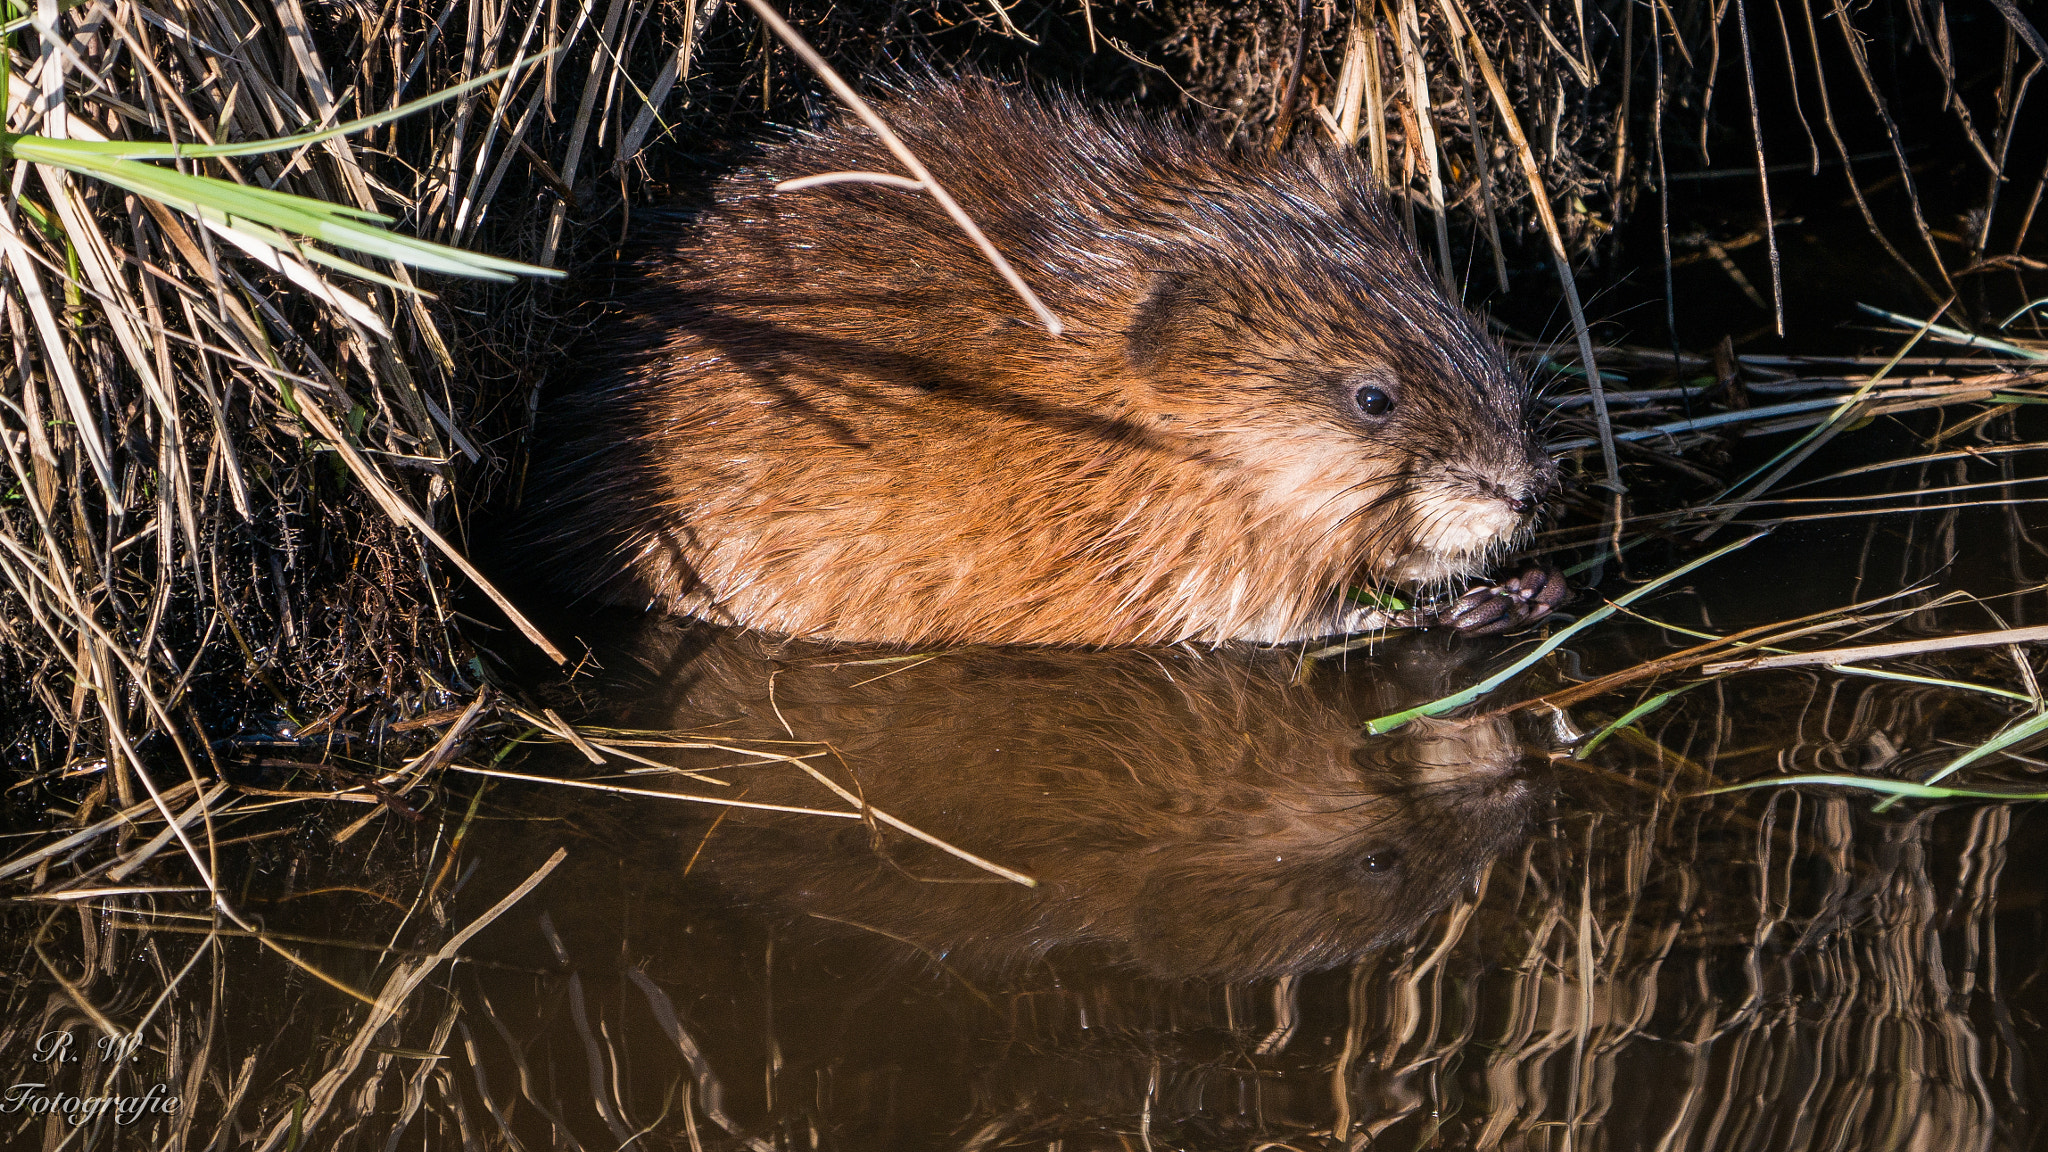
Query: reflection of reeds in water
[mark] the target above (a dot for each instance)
(1837, 998)
(1650, 970)
(1845, 993)
(1618, 987)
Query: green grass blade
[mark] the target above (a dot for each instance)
(1388, 723)
(1634, 714)
(1908, 678)
(2031, 726)
(1843, 407)
(228, 203)
(1958, 336)
(330, 260)
(1897, 789)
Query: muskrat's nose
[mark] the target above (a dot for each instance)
(1522, 504)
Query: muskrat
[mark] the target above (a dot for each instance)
(821, 413)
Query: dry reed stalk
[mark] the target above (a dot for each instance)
(1860, 653)
(921, 179)
(1408, 35)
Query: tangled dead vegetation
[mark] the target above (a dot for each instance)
(242, 476)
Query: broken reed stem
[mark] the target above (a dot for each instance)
(1409, 36)
(1283, 118)
(400, 509)
(862, 810)
(1858, 655)
(905, 157)
(1763, 170)
(1760, 636)
(1461, 25)
(1351, 79)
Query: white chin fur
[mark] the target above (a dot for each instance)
(1456, 533)
(1434, 568)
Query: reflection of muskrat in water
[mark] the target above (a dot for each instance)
(823, 414)
(1213, 813)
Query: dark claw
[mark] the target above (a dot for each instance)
(1548, 590)
(1510, 605)
(1477, 611)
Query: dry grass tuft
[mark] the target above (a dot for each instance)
(237, 467)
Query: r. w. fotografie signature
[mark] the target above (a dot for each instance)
(56, 1049)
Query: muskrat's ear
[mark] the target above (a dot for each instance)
(1171, 321)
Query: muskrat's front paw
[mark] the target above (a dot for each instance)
(1370, 618)
(1509, 605)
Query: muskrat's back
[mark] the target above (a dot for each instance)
(822, 413)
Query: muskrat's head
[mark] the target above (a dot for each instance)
(1290, 328)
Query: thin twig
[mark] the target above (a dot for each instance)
(909, 160)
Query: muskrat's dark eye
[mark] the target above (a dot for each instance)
(1373, 400)
(1378, 863)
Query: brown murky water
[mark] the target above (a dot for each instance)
(1256, 927)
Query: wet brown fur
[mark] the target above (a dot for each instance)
(821, 413)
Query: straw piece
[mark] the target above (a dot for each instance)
(1883, 651)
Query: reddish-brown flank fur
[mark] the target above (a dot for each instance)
(821, 413)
